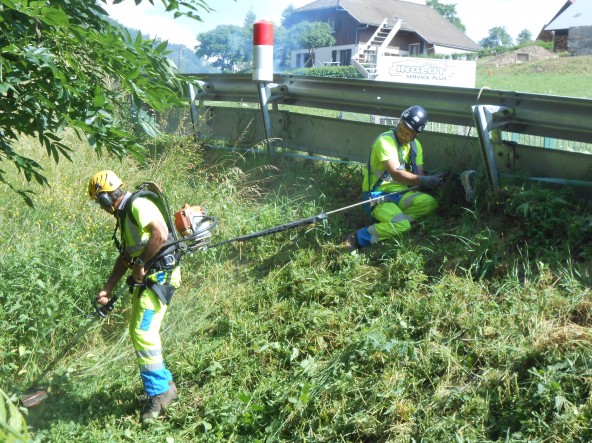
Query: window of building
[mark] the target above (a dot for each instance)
(345, 57)
(414, 49)
(335, 23)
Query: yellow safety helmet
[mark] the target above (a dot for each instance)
(103, 181)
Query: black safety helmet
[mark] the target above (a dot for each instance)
(416, 118)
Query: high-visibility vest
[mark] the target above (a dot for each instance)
(411, 166)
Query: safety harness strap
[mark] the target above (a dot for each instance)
(403, 164)
(168, 257)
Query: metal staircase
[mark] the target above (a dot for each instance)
(367, 57)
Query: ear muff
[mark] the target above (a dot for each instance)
(104, 200)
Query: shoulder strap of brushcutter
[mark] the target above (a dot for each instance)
(170, 254)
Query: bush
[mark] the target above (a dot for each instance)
(330, 71)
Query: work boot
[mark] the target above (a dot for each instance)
(350, 243)
(144, 397)
(158, 404)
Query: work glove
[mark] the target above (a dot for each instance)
(431, 181)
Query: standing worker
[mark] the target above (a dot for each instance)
(154, 276)
(395, 164)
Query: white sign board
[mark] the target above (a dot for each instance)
(427, 71)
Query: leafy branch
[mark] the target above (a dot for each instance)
(64, 65)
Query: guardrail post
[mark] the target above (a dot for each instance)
(264, 95)
(487, 118)
(194, 113)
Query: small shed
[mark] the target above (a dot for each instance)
(572, 28)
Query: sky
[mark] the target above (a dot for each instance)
(478, 16)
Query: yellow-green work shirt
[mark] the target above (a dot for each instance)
(135, 237)
(383, 149)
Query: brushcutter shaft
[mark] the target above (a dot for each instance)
(306, 221)
(274, 230)
(100, 312)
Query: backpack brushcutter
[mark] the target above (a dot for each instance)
(194, 228)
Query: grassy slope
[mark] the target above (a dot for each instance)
(474, 327)
(566, 76)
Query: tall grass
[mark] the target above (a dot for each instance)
(473, 328)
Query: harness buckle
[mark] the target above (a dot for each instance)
(168, 260)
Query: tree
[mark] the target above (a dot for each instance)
(286, 13)
(225, 45)
(63, 64)
(283, 44)
(250, 18)
(448, 12)
(525, 36)
(312, 35)
(186, 61)
(248, 24)
(498, 38)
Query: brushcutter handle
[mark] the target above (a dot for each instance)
(103, 310)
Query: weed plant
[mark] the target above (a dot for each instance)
(475, 327)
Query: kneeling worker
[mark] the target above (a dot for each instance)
(396, 163)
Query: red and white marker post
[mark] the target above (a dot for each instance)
(263, 51)
(263, 70)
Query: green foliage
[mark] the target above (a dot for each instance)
(283, 45)
(330, 71)
(226, 44)
(448, 11)
(187, 61)
(498, 38)
(250, 18)
(541, 219)
(229, 46)
(524, 37)
(312, 35)
(64, 65)
(286, 14)
(540, 212)
(547, 45)
(13, 428)
(474, 327)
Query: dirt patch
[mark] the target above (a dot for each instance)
(522, 55)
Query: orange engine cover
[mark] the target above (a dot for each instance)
(185, 219)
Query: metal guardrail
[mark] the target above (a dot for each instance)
(564, 118)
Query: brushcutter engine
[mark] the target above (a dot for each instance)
(194, 226)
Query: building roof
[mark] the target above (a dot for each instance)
(545, 35)
(579, 13)
(422, 19)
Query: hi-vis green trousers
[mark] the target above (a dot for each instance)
(394, 217)
(144, 328)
